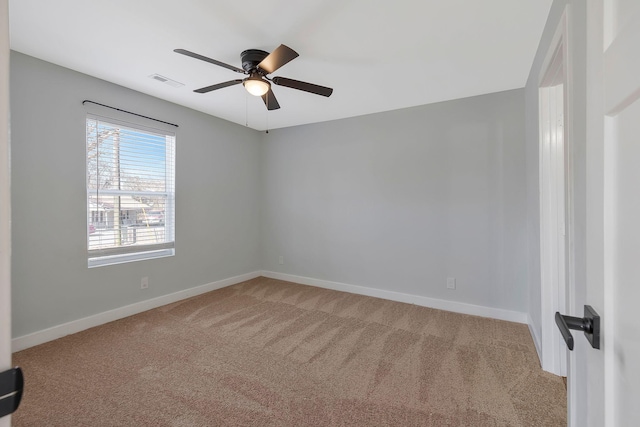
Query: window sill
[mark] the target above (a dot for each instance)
(125, 258)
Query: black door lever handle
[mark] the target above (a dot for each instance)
(11, 387)
(589, 324)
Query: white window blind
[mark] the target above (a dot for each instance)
(130, 192)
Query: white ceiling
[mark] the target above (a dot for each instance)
(378, 55)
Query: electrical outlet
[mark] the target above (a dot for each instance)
(281, 260)
(451, 282)
(144, 282)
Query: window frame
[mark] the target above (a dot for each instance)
(126, 254)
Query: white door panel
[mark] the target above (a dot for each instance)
(625, 268)
(621, 80)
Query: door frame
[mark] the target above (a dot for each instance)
(556, 195)
(5, 201)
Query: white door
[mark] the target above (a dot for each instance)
(610, 379)
(621, 74)
(5, 199)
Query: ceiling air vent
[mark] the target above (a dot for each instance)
(166, 80)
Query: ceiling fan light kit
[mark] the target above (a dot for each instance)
(257, 64)
(255, 85)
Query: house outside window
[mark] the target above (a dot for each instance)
(130, 192)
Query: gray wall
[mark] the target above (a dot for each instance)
(217, 200)
(396, 201)
(401, 200)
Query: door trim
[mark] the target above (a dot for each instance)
(553, 354)
(5, 200)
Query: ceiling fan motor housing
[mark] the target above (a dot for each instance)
(251, 58)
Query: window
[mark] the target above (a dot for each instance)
(130, 192)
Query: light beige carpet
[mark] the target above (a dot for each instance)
(273, 353)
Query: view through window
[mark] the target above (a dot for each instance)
(130, 192)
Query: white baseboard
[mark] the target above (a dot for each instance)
(457, 307)
(536, 339)
(59, 331)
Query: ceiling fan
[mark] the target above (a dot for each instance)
(256, 64)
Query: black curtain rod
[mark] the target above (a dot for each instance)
(129, 112)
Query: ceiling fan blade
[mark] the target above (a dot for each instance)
(307, 87)
(218, 86)
(278, 58)
(212, 61)
(270, 100)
